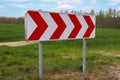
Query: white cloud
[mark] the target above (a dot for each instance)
(64, 4)
(1, 6)
(2, 11)
(63, 7)
(64, 1)
(114, 2)
(88, 8)
(17, 0)
(18, 5)
(43, 5)
(30, 4)
(93, 2)
(119, 8)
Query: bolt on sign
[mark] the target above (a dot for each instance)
(46, 26)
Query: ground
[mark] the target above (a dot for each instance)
(112, 73)
(16, 43)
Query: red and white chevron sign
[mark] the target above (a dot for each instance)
(43, 26)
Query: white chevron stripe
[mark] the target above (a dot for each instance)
(92, 35)
(51, 26)
(93, 19)
(69, 26)
(31, 25)
(84, 26)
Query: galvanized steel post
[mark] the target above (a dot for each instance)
(40, 61)
(84, 55)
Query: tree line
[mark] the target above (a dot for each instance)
(12, 20)
(104, 19)
(109, 19)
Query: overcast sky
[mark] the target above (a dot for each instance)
(17, 8)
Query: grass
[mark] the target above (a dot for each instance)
(11, 32)
(21, 63)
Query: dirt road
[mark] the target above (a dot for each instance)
(16, 43)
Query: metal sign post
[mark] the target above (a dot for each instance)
(40, 61)
(84, 55)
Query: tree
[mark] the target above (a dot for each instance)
(92, 12)
(109, 13)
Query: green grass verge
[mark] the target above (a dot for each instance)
(11, 32)
(21, 63)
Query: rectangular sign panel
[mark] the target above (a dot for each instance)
(45, 26)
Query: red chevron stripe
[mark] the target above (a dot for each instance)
(41, 25)
(77, 26)
(61, 26)
(91, 26)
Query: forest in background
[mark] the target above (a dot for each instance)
(104, 19)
